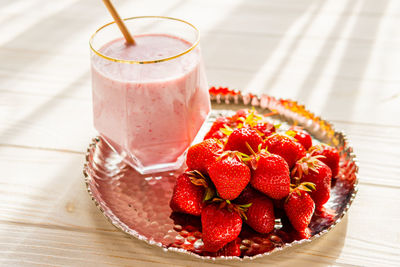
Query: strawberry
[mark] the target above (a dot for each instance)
(264, 128)
(229, 175)
(260, 215)
(299, 207)
(240, 114)
(231, 249)
(202, 155)
(219, 226)
(239, 137)
(217, 135)
(248, 118)
(285, 147)
(301, 135)
(247, 195)
(310, 169)
(214, 132)
(187, 197)
(305, 234)
(270, 175)
(331, 155)
(299, 235)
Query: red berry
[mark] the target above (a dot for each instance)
(301, 135)
(247, 195)
(260, 215)
(270, 175)
(229, 175)
(299, 208)
(239, 137)
(217, 135)
(201, 156)
(187, 197)
(231, 249)
(310, 169)
(219, 227)
(285, 147)
(241, 113)
(332, 157)
(218, 124)
(265, 128)
(305, 234)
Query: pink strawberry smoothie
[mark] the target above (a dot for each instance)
(149, 112)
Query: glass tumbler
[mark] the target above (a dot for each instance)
(149, 99)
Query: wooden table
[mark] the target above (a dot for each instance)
(340, 58)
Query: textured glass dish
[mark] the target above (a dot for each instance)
(139, 204)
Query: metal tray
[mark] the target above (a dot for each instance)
(139, 204)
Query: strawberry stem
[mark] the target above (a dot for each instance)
(251, 149)
(305, 186)
(226, 130)
(225, 203)
(305, 164)
(291, 133)
(198, 179)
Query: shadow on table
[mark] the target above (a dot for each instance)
(46, 107)
(42, 34)
(349, 43)
(353, 61)
(243, 45)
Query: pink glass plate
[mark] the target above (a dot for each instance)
(139, 204)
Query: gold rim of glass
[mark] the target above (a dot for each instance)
(147, 61)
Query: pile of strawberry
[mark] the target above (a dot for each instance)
(246, 171)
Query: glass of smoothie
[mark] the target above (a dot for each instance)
(149, 99)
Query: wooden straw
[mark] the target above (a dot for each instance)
(119, 21)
